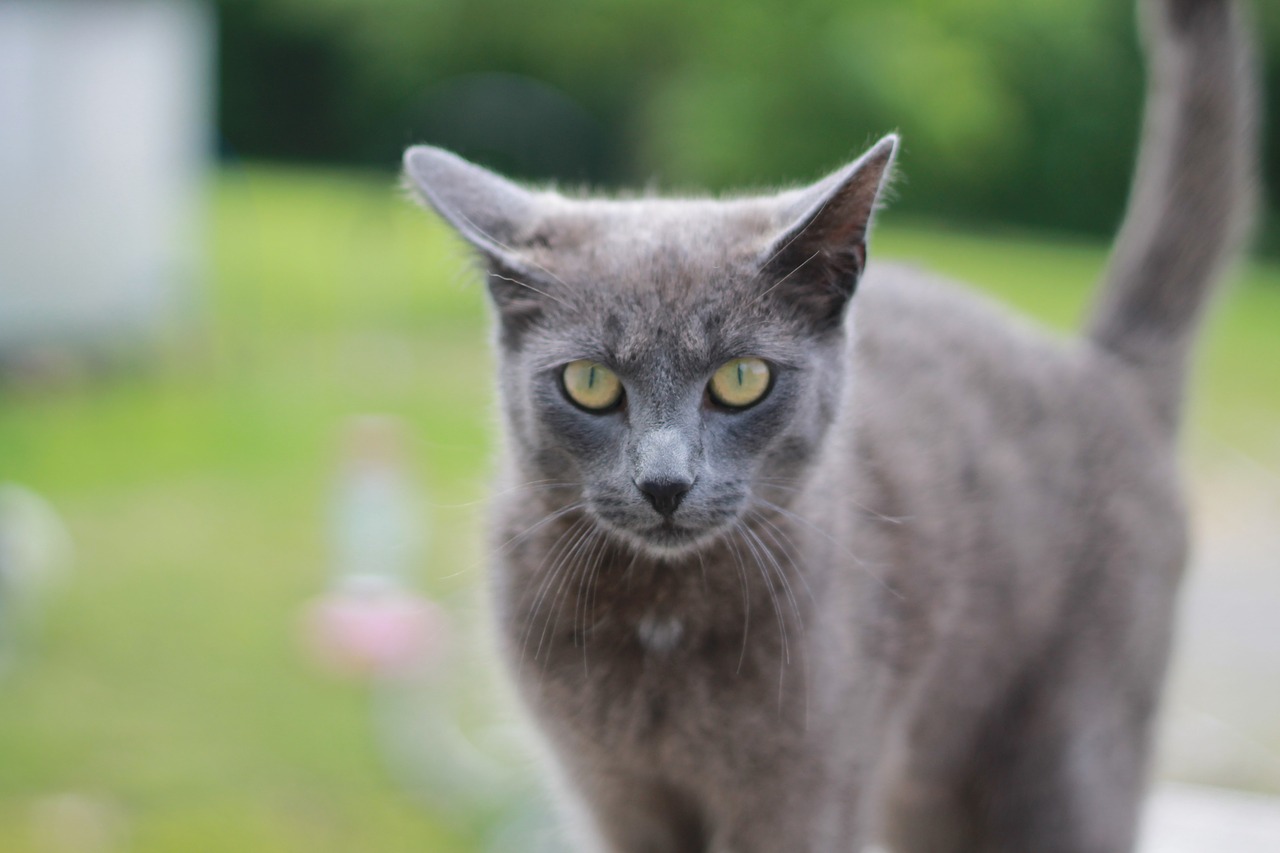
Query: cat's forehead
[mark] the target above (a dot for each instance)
(639, 336)
(642, 330)
(652, 283)
(673, 247)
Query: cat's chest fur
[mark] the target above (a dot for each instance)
(660, 657)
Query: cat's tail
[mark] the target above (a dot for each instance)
(1193, 196)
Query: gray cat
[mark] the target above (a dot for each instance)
(779, 568)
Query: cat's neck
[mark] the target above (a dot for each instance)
(566, 579)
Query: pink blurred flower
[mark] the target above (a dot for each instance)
(369, 626)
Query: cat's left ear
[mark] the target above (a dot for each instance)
(818, 257)
(485, 208)
(494, 215)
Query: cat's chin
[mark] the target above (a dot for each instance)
(667, 540)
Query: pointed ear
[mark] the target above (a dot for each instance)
(486, 209)
(492, 214)
(818, 257)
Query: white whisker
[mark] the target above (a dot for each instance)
(787, 276)
(858, 561)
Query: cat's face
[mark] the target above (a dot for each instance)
(675, 364)
(675, 408)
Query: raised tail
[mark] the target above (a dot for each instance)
(1193, 195)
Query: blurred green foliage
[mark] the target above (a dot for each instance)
(1011, 112)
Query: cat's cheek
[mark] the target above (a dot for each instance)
(740, 436)
(775, 444)
(592, 442)
(789, 458)
(584, 434)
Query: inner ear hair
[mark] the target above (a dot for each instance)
(818, 258)
(519, 294)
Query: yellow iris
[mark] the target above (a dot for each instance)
(592, 385)
(740, 382)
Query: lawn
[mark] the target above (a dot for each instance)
(162, 704)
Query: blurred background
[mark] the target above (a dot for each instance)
(245, 405)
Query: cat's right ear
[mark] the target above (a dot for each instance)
(818, 257)
(492, 214)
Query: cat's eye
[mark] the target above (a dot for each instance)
(592, 385)
(740, 383)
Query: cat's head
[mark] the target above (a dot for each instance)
(678, 362)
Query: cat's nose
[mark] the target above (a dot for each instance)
(666, 494)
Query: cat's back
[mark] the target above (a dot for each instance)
(995, 441)
(943, 355)
(938, 353)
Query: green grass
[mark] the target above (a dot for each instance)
(164, 683)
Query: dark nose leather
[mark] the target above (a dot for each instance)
(665, 495)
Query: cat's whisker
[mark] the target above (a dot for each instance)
(773, 485)
(526, 284)
(563, 570)
(768, 560)
(575, 562)
(789, 548)
(773, 286)
(534, 485)
(786, 587)
(889, 519)
(627, 572)
(556, 578)
(535, 609)
(571, 567)
(782, 575)
(583, 602)
(501, 245)
(840, 546)
(796, 236)
(795, 607)
(746, 601)
(589, 611)
(785, 660)
(549, 517)
(773, 593)
(500, 549)
(583, 569)
(573, 533)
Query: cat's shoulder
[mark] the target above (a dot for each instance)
(906, 314)
(930, 351)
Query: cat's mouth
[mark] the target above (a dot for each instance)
(671, 537)
(667, 538)
(694, 526)
(669, 528)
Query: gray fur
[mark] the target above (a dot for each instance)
(922, 592)
(1194, 192)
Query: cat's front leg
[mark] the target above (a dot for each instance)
(627, 815)
(813, 814)
(804, 808)
(647, 820)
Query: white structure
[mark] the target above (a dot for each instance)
(1184, 819)
(105, 134)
